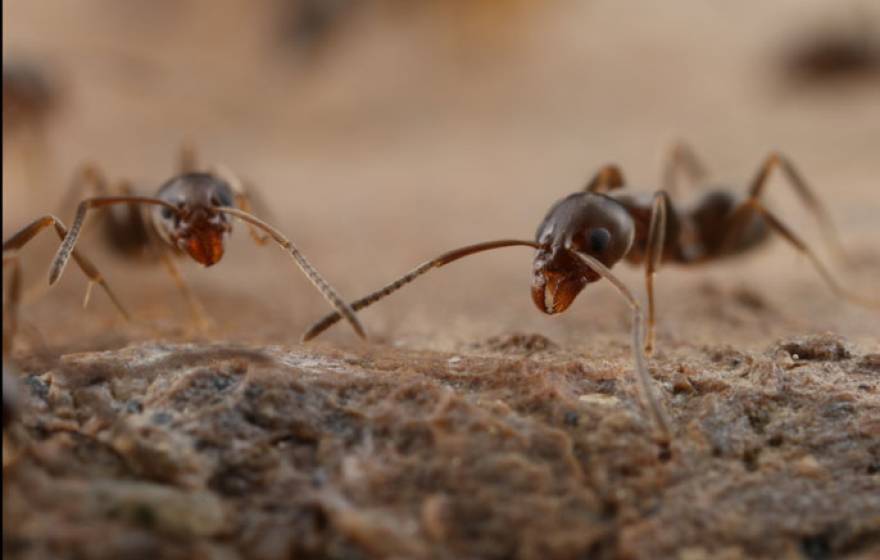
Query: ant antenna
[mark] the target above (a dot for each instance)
(646, 385)
(310, 271)
(331, 319)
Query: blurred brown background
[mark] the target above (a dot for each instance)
(382, 133)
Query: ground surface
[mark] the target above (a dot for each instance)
(472, 426)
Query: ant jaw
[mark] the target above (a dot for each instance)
(554, 292)
(558, 277)
(205, 246)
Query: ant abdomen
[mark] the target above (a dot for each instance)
(717, 207)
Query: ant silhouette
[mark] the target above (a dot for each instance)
(191, 215)
(586, 233)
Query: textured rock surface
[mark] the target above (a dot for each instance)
(188, 450)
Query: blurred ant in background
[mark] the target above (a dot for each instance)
(308, 27)
(31, 99)
(588, 232)
(191, 214)
(830, 55)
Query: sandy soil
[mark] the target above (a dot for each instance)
(472, 425)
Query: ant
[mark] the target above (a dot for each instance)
(191, 214)
(588, 232)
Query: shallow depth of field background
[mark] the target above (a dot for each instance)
(405, 129)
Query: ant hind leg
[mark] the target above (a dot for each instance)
(804, 192)
(751, 206)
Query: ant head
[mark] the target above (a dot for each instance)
(579, 223)
(196, 228)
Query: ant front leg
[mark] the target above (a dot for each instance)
(197, 310)
(69, 241)
(656, 242)
(682, 158)
(20, 239)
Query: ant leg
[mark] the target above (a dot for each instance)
(27, 233)
(646, 385)
(187, 159)
(682, 158)
(69, 241)
(13, 298)
(247, 200)
(196, 309)
(608, 178)
(87, 181)
(804, 192)
(656, 240)
(90, 181)
(751, 206)
(332, 318)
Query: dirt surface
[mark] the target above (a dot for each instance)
(471, 426)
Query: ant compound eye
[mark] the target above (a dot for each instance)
(598, 240)
(167, 213)
(221, 198)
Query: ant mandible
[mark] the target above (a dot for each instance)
(191, 214)
(588, 232)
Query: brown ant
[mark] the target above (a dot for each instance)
(588, 232)
(191, 214)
